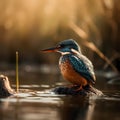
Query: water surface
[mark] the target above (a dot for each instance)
(35, 101)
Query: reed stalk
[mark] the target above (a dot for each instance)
(17, 78)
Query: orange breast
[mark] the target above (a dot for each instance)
(71, 75)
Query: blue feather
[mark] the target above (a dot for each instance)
(83, 66)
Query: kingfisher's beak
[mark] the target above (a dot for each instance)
(54, 49)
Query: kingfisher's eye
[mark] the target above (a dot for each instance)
(60, 46)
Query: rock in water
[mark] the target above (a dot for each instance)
(86, 91)
(5, 88)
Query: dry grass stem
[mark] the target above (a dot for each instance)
(17, 79)
(82, 34)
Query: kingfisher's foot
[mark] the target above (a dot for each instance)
(79, 89)
(76, 88)
(73, 86)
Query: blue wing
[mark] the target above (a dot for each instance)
(83, 66)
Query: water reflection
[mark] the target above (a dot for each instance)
(46, 106)
(28, 111)
(77, 108)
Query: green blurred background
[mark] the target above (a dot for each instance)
(28, 26)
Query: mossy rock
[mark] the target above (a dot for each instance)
(86, 91)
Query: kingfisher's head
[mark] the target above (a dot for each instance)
(65, 47)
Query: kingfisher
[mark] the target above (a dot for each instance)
(74, 66)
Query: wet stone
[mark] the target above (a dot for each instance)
(86, 91)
